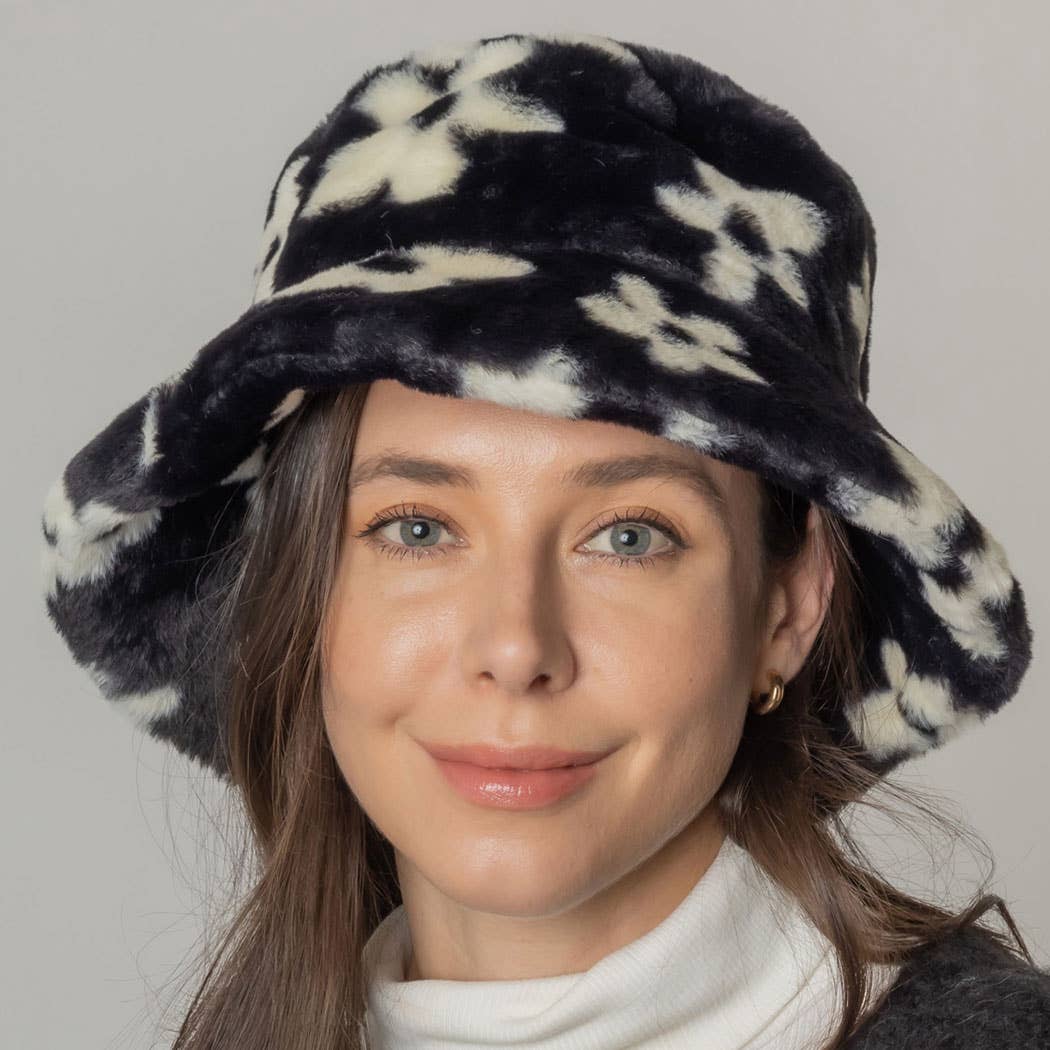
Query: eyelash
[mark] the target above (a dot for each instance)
(397, 550)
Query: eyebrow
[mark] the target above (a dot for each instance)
(594, 473)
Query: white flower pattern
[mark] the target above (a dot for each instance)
(787, 223)
(676, 342)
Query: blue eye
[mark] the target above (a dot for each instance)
(632, 531)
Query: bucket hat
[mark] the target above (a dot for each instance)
(572, 225)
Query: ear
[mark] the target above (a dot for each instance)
(798, 604)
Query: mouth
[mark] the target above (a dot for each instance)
(516, 788)
(530, 758)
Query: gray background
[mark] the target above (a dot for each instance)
(141, 142)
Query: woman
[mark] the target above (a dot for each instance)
(529, 561)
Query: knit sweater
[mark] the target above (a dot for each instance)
(736, 965)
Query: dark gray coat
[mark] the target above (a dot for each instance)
(963, 993)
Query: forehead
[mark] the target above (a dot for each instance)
(475, 445)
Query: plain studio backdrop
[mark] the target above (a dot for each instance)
(142, 140)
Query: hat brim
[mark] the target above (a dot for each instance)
(133, 526)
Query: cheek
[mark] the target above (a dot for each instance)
(391, 619)
(353, 698)
(677, 676)
(379, 647)
(383, 661)
(680, 640)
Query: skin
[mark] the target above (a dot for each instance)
(523, 632)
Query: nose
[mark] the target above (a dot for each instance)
(518, 635)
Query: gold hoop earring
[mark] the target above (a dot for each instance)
(776, 694)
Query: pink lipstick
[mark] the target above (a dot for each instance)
(514, 788)
(514, 778)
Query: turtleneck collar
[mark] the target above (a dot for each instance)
(736, 964)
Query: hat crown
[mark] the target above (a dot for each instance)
(485, 159)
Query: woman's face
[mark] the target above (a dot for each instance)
(507, 618)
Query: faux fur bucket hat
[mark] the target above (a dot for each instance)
(571, 225)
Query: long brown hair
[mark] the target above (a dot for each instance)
(287, 974)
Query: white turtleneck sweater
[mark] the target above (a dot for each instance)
(737, 964)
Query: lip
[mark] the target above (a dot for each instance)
(534, 757)
(515, 788)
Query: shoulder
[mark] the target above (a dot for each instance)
(962, 992)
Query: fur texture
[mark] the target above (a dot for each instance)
(964, 993)
(571, 225)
